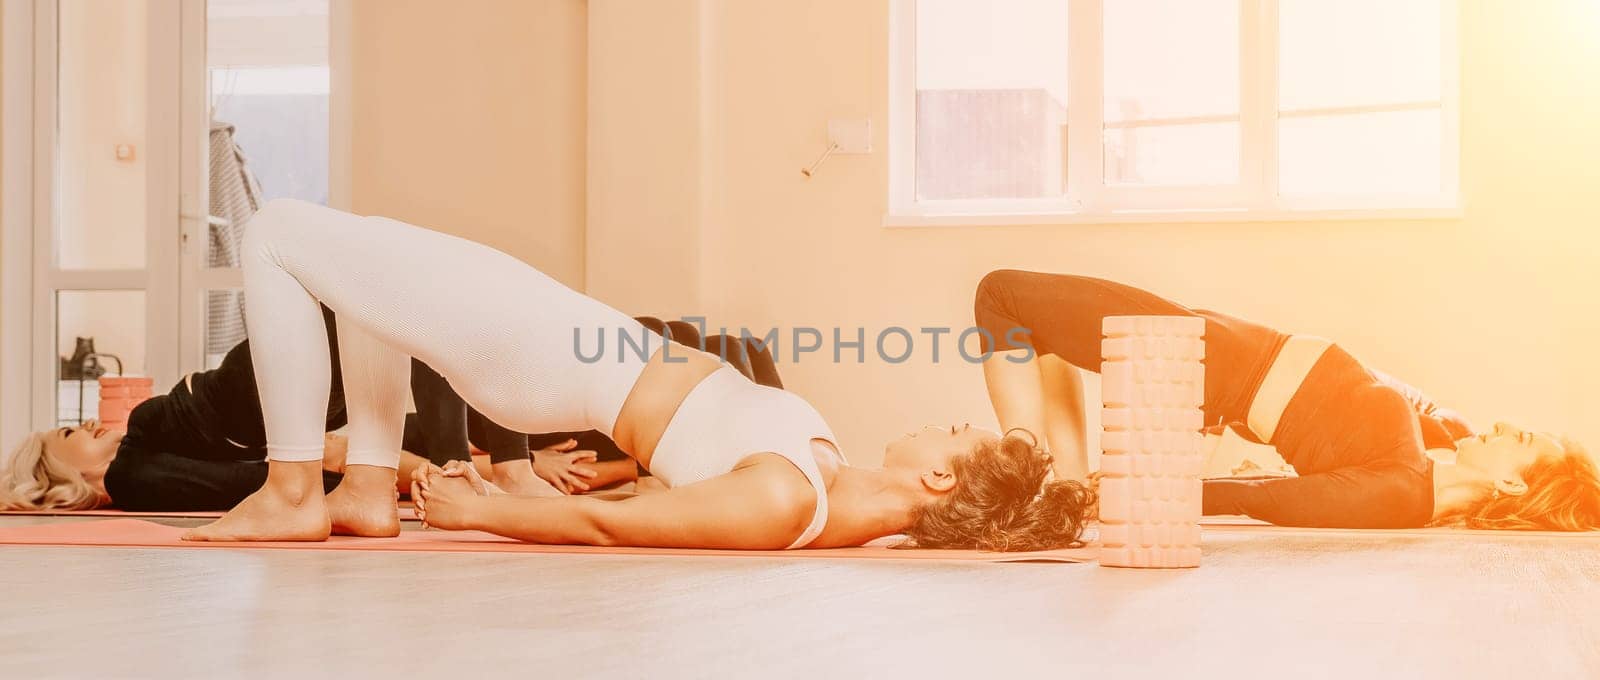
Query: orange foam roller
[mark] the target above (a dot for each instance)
(118, 397)
(1153, 385)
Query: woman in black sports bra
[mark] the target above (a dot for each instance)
(1359, 440)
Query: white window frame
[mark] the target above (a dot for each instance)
(1090, 201)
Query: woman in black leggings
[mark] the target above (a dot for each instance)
(1358, 439)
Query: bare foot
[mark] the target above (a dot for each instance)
(518, 478)
(289, 507)
(365, 503)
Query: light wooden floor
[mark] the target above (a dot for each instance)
(1279, 604)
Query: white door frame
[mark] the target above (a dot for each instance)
(341, 125)
(16, 220)
(158, 279)
(194, 194)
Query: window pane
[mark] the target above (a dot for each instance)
(1173, 154)
(106, 322)
(991, 98)
(1166, 60)
(1171, 59)
(1357, 52)
(224, 324)
(101, 135)
(268, 66)
(1394, 152)
(280, 125)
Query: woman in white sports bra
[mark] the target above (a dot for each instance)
(747, 466)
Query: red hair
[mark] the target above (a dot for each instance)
(1563, 495)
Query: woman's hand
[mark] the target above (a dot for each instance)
(448, 497)
(419, 483)
(469, 472)
(565, 468)
(419, 476)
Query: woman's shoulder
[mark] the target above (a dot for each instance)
(1384, 415)
(778, 484)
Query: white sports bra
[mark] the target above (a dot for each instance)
(727, 418)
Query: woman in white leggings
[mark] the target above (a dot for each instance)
(746, 466)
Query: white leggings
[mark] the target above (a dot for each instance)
(501, 332)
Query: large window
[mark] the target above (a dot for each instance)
(1123, 110)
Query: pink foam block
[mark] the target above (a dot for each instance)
(1153, 387)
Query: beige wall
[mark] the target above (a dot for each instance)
(646, 155)
(1493, 313)
(3, 339)
(469, 118)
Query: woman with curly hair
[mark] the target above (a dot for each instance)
(745, 466)
(1369, 451)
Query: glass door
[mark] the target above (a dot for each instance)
(159, 127)
(255, 128)
(105, 206)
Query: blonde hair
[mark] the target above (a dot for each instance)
(1563, 495)
(33, 479)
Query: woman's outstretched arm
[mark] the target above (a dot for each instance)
(1378, 496)
(1043, 395)
(761, 505)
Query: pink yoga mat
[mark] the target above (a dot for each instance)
(134, 533)
(406, 513)
(111, 513)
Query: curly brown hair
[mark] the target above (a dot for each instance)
(1002, 502)
(1563, 495)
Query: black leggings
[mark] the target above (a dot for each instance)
(444, 424)
(1061, 314)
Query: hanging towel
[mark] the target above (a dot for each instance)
(235, 196)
